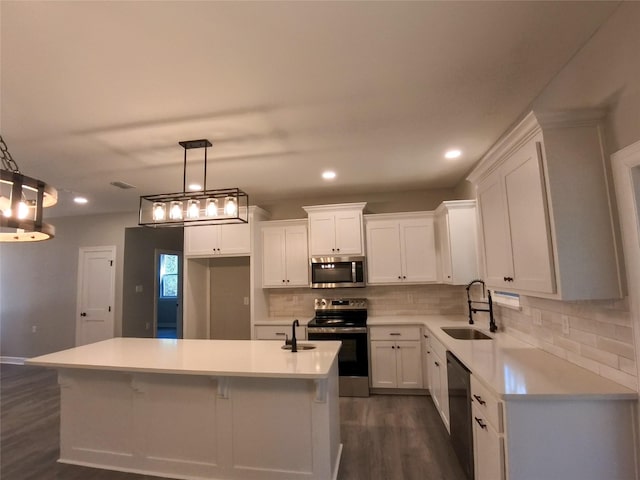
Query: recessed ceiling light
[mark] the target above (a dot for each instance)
(194, 187)
(80, 200)
(328, 175)
(452, 154)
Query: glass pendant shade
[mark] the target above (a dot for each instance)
(230, 206)
(159, 211)
(212, 207)
(175, 212)
(193, 209)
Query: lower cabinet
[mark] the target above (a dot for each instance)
(277, 332)
(438, 383)
(396, 357)
(488, 439)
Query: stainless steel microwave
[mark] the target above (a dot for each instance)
(337, 272)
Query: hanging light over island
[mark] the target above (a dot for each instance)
(192, 208)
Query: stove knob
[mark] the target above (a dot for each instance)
(323, 302)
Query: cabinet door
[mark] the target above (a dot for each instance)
(348, 233)
(297, 258)
(418, 249)
(322, 234)
(528, 222)
(443, 248)
(409, 364)
(495, 240)
(383, 252)
(201, 240)
(273, 257)
(235, 239)
(383, 364)
(488, 449)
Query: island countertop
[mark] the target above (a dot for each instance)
(235, 358)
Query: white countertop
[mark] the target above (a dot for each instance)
(513, 369)
(237, 358)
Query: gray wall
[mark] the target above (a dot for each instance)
(139, 269)
(38, 283)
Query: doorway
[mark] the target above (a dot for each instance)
(168, 294)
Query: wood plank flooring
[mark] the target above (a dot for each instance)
(385, 437)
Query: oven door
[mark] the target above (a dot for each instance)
(353, 358)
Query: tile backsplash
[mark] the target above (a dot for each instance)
(383, 300)
(600, 336)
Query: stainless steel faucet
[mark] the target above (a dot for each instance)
(473, 309)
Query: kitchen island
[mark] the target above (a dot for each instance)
(193, 409)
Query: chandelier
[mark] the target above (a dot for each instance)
(22, 201)
(192, 208)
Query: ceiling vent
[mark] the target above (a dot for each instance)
(122, 185)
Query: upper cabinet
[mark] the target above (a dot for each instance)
(456, 247)
(335, 230)
(544, 211)
(401, 248)
(209, 240)
(285, 261)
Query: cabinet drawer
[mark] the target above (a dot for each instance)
(394, 333)
(487, 404)
(437, 347)
(278, 332)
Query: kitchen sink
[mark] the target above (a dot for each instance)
(301, 347)
(465, 333)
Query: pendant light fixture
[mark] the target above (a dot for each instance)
(187, 208)
(22, 201)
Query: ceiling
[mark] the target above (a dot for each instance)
(96, 92)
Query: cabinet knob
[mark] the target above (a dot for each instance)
(448, 276)
(283, 280)
(404, 276)
(399, 277)
(287, 281)
(393, 346)
(437, 364)
(337, 249)
(333, 249)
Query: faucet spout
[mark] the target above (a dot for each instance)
(473, 309)
(294, 341)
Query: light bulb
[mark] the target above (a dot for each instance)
(193, 210)
(175, 213)
(212, 207)
(159, 211)
(6, 212)
(23, 210)
(230, 206)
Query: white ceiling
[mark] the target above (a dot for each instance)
(95, 92)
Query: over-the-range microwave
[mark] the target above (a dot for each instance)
(337, 272)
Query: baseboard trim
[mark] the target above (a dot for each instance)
(12, 360)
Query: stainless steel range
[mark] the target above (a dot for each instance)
(345, 319)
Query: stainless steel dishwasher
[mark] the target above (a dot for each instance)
(460, 418)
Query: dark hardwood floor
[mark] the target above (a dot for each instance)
(385, 437)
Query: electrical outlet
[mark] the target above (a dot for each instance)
(147, 325)
(246, 300)
(34, 328)
(537, 317)
(565, 324)
(410, 298)
(138, 288)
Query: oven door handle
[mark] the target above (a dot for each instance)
(332, 330)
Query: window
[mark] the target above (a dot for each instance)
(168, 276)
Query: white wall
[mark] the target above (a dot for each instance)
(38, 283)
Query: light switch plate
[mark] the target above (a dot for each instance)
(565, 324)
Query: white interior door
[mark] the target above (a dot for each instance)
(96, 294)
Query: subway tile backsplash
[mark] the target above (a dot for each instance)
(383, 300)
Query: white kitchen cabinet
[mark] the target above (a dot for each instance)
(401, 248)
(438, 382)
(396, 358)
(488, 439)
(213, 240)
(335, 230)
(456, 249)
(285, 261)
(544, 210)
(278, 332)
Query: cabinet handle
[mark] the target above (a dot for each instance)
(395, 334)
(479, 399)
(437, 364)
(481, 423)
(280, 333)
(428, 351)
